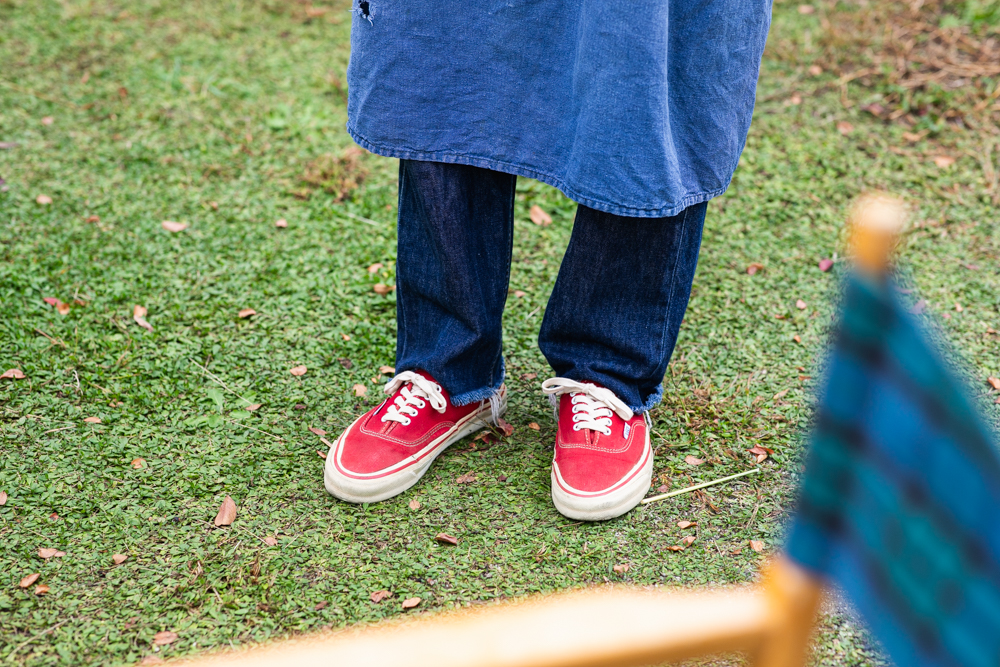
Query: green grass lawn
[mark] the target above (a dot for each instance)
(228, 115)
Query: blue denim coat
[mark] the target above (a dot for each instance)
(636, 108)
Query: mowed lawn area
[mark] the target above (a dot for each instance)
(227, 116)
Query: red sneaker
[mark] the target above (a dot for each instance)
(389, 448)
(603, 462)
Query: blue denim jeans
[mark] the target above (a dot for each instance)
(614, 312)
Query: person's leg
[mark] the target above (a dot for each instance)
(608, 332)
(452, 269)
(619, 300)
(456, 227)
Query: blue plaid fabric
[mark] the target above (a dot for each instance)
(900, 502)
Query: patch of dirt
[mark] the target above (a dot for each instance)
(338, 175)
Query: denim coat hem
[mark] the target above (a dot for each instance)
(689, 199)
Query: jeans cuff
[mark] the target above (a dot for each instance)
(484, 394)
(651, 401)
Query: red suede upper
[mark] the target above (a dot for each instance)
(591, 461)
(371, 445)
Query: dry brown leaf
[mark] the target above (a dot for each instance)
(254, 406)
(47, 552)
(534, 426)
(414, 504)
(539, 216)
(227, 513)
(298, 371)
(63, 309)
(760, 453)
(92, 420)
(139, 315)
(375, 268)
(797, 338)
(381, 289)
(520, 293)
(321, 454)
(317, 431)
(825, 265)
(345, 337)
(386, 370)
(529, 376)
(757, 545)
(30, 579)
(410, 603)
(445, 538)
(12, 374)
(806, 9)
(378, 596)
(693, 461)
(467, 478)
(815, 70)
(174, 227)
(621, 569)
(321, 605)
(119, 558)
(280, 223)
(44, 200)
(780, 394)
(944, 161)
(271, 541)
(138, 464)
(41, 589)
(683, 523)
(844, 127)
(687, 540)
(48, 120)
(164, 638)
(994, 382)
(3, 498)
(503, 425)
(675, 548)
(913, 137)
(800, 304)
(754, 268)
(958, 307)
(360, 390)
(247, 312)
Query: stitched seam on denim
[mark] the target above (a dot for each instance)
(670, 296)
(506, 290)
(556, 182)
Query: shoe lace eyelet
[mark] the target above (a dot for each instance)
(407, 422)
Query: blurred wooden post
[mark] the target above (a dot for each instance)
(876, 221)
(615, 627)
(793, 599)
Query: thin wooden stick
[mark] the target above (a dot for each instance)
(357, 217)
(678, 492)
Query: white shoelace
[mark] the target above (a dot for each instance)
(592, 405)
(413, 398)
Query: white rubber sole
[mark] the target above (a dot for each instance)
(601, 506)
(381, 486)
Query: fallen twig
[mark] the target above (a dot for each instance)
(214, 378)
(678, 492)
(54, 341)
